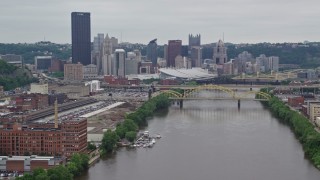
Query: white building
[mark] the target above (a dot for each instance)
(105, 67)
(39, 88)
(273, 63)
(179, 62)
(90, 71)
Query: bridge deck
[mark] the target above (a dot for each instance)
(217, 98)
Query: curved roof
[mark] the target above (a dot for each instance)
(188, 74)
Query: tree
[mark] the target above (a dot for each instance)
(121, 131)
(130, 125)
(131, 136)
(72, 168)
(41, 177)
(91, 146)
(59, 172)
(109, 141)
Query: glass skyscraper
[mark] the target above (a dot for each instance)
(81, 37)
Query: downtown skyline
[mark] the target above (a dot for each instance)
(243, 21)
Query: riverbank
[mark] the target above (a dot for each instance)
(128, 128)
(304, 131)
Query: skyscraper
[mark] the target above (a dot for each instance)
(81, 43)
(120, 63)
(152, 52)
(106, 59)
(196, 56)
(174, 49)
(194, 40)
(96, 56)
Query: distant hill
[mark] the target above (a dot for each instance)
(12, 77)
(305, 55)
(43, 48)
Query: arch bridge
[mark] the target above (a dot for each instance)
(220, 93)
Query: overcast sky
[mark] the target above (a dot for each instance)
(139, 21)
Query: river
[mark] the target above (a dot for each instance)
(211, 140)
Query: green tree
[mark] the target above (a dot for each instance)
(59, 172)
(109, 141)
(41, 177)
(91, 146)
(130, 125)
(121, 131)
(73, 168)
(131, 136)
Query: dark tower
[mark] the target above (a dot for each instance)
(194, 40)
(81, 37)
(174, 49)
(152, 52)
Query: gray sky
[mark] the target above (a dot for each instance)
(139, 21)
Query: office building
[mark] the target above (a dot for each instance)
(106, 65)
(27, 102)
(220, 53)
(81, 41)
(68, 138)
(152, 54)
(174, 49)
(165, 52)
(179, 62)
(314, 111)
(262, 63)
(132, 63)
(196, 56)
(120, 65)
(96, 50)
(57, 65)
(194, 40)
(43, 62)
(145, 68)
(273, 63)
(73, 72)
(41, 88)
(90, 71)
(12, 59)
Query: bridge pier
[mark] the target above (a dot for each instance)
(238, 103)
(181, 104)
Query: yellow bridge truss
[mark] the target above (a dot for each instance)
(232, 94)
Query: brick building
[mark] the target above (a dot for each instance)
(114, 80)
(73, 72)
(57, 65)
(28, 163)
(295, 101)
(168, 82)
(60, 97)
(26, 102)
(70, 137)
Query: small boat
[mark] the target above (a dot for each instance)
(158, 136)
